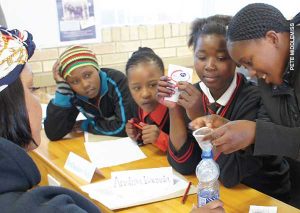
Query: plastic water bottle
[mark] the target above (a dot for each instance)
(207, 173)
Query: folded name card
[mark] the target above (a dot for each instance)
(263, 209)
(81, 167)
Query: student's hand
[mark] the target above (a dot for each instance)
(211, 121)
(55, 72)
(132, 131)
(165, 89)
(233, 136)
(215, 206)
(190, 99)
(150, 133)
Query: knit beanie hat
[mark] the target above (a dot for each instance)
(15, 49)
(74, 57)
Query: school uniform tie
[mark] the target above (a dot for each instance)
(214, 108)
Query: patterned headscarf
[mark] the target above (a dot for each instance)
(15, 49)
(74, 57)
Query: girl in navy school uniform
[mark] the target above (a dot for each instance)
(228, 94)
(150, 123)
(269, 47)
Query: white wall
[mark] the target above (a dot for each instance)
(40, 16)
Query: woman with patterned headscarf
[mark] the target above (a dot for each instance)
(20, 126)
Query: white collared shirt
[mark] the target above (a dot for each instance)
(223, 100)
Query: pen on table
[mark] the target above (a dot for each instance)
(184, 197)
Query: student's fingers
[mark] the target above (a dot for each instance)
(129, 125)
(161, 83)
(55, 67)
(238, 135)
(148, 129)
(148, 138)
(137, 136)
(161, 95)
(192, 91)
(182, 102)
(164, 78)
(184, 95)
(211, 121)
(199, 122)
(131, 132)
(182, 85)
(165, 90)
(217, 136)
(214, 204)
(150, 133)
(187, 87)
(165, 87)
(217, 121)
(212, 207)
(217, 210)
(55, 71)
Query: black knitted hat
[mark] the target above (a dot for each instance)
(254, 21)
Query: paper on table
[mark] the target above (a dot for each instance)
(116, 198)
(262, 209)
(111, 153)
(143, 178)
(89, 137)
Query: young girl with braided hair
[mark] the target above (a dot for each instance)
(143, 69)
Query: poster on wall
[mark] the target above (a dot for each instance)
(76, 20)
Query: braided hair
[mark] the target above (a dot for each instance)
(296, 19)
(254, 21)
(144, 55)
(206, 26)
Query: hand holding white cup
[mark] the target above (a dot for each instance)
(199, 135)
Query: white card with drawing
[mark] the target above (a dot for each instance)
(178, 73)
(80, 167)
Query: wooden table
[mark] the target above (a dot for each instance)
(51, 157)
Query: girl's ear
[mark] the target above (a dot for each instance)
(272, 37)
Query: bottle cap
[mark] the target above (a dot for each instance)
(207, 154)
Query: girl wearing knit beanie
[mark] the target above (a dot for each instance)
(101, 95)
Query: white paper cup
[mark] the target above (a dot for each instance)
(199, 135)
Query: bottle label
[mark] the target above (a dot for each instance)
(205, 197)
